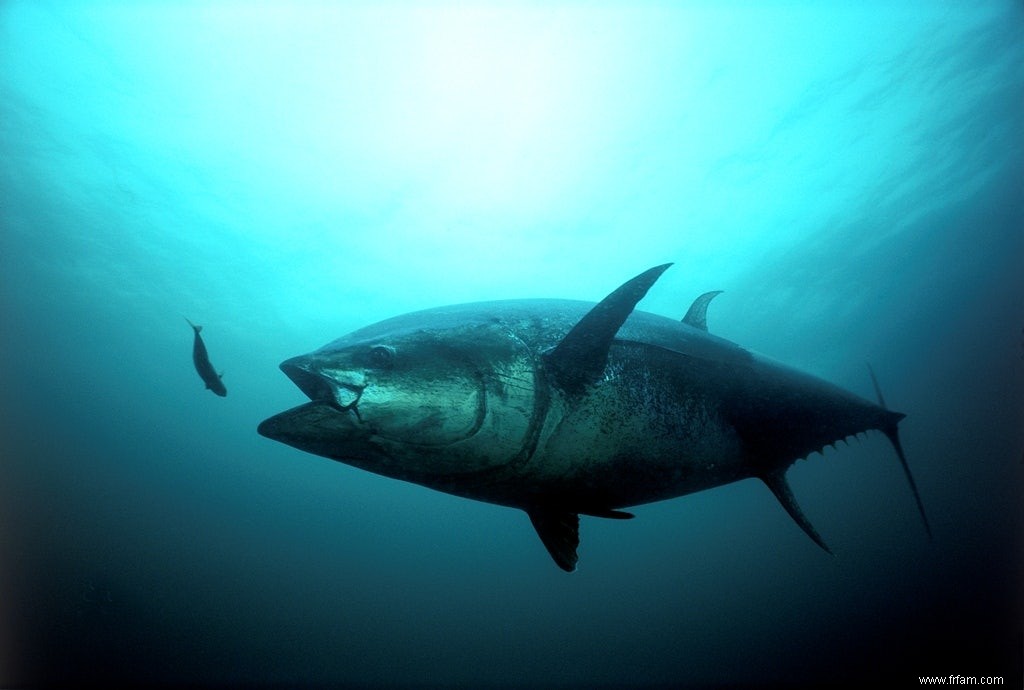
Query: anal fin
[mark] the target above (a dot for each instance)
(560, 532)
(776, 481)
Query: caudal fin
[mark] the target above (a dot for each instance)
(891, 431)
(194, 327)
(893, 435)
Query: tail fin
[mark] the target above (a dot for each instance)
(890, 429)
(194, 327)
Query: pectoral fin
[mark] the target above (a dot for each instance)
(580, 357)
(776, 481)
(560, 532)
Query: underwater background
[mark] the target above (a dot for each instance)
(850, 174)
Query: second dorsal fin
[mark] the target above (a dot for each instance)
(580, 357)
(776, 481)
(697, 314)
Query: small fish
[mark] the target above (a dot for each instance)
(202, 361)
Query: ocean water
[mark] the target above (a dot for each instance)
(283, 173)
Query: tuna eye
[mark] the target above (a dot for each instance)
(382, 357)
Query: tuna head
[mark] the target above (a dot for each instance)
(434, 400)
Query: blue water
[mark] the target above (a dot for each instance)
(284, 173)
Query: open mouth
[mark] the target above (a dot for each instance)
(342, 396)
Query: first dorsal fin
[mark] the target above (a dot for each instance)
(579, 359)
(560, 532)
(697, 314)
(776, 481)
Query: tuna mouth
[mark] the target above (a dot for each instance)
(342, 396)
(316, 427)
